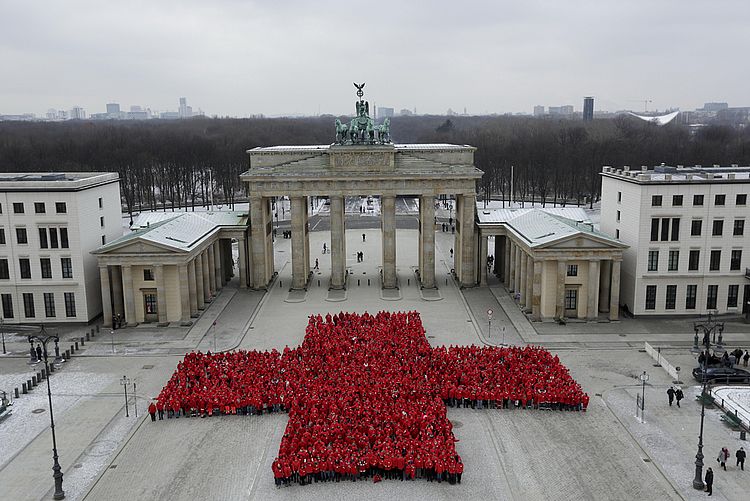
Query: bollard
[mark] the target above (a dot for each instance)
(39, 376)
(28, 384)
(23, 388)
(67, 354)
(88, 338)
(446, 281)
(368, 282)
(83, 343)
(318, 283)
(279, 284)
(44, 373)
(76, 345)
(97, 330)
(357, 282)
(72, 350)
(408, 281)
(15, 392)
(34, 380)
(51, 368)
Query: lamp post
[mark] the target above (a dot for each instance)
(112, 335)
(43, 338)
(643, 377)
(125, 382)
(2, 329)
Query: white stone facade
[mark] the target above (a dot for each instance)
(670, 272)
(65, 216)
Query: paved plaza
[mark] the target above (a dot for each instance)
(605, 453)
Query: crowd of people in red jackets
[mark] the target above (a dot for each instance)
(366, 395)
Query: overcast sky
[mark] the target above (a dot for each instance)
(240, 57)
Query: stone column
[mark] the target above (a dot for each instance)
(499, 256)
(217, 265)
(388, 229)
(206, 277)
(517, 268)
(242, 256)
(161, 294)
(592, 295)
(536, 293)
(128, 295)
(183, 275)
(522, 279)
(210, 263)
(614, 291)
(192, 289)
(468, 278)
(483, 259)
(338, 243)
(506, 274)
(258, 239)
(562, 271)
(427, 215)
(299, 279)
(604, 276)
(199, 282)
(117, 299)
(106, 295)
(529, 281)
(512, 263)
(306, 227)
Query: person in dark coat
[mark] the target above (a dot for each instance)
(740, 455)
(746, 358)
(38, 353)
(709, 481)
(670, 394)
(679, 395)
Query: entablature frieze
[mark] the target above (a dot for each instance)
(358, 186)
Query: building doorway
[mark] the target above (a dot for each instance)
(150, 310)
(571, 303)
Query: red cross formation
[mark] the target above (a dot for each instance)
(368, 390)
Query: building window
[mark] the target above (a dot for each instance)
(104, 239)
(67, 267)
(732, 294)
(572, 270)
(1, 208)
(654, 229)
(664, 229)
(61, 208)
(671, 300)
(693, 259)
(690, 297)
(650, 297)
(712, 294)
(715, 260)
(618, 215)
(571, 299)
(18, 208)
(46, 266)
(53, 238)
(655, 200)
(739, 227)
(148, 274)
(4, 269)
(619, 196)
(149, 302)
(70, 304)
(28, 305)
(617, 234)
(720, 199)
(101, 202)
(43, 238)
(697, 199)
(741, 199)
(7, 301)
(21, 236)
(39, 208)
(735, 260)
(25, 266)
(675, 229)
(696, 225)
(674, 259)
(49, 304)
(64, 238)
(653, 260)
(677, 200)
(2, 236)
(101, 221)
(718, 227)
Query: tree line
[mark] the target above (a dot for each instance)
(172, 164)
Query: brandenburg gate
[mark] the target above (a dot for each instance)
(362, 161)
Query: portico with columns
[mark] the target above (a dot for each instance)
(168, 271)
(554, 266)
(339, 171)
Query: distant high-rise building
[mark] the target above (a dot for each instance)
(185, 111)
(51, 114)
(561, 110)
(715, 107)
(588, 109)
(538, 111)
(385, 112)
(77, 113)
(113, 108)
(406, 112)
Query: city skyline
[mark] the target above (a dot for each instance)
(249, 58)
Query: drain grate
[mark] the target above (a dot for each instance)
(78, 465)
(148, 367)
(37, 411)
(112, 467)
(646, 460)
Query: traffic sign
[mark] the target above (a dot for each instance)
(489, 312)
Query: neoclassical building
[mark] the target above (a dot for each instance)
(554, 261)
(170, 266)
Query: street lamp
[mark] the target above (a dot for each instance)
(643, 377)
(125, 382)
(112, 335)
(43, 338)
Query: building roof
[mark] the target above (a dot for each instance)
(178, 231)
(54, 181)
(539, 227)
(667, 174)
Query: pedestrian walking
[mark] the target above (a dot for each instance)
(152, 411)
(316, 264)
(363, 237)
(678, 395)
(451, 252)
(723, 456)
(740, 455)
(324, 248)
(746, 358)
(38, 353)
(709, 481)
(670, 394)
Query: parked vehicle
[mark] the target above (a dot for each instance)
(722, 375)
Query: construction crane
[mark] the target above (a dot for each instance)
(644, 101)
